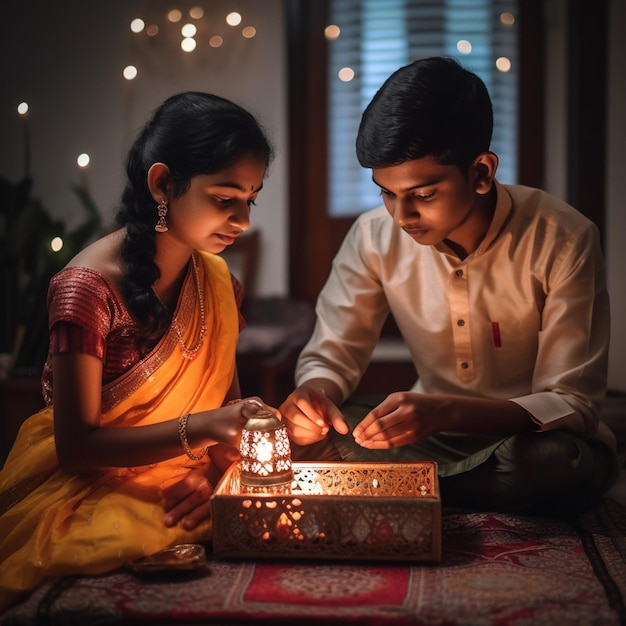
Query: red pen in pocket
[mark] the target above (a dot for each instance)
(495, 331)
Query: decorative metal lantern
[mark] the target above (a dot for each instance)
(265, 450)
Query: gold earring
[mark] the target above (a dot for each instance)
(161, 225)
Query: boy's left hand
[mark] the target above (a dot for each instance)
(401, 419)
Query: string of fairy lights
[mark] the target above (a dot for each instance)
(191, 30)
(194, 31)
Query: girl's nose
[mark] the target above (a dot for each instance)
(241, 216)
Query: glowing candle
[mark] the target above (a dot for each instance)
(83, 161)
(23, 111)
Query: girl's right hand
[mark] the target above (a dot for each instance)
(233, 417)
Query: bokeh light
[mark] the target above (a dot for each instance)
(130, 72)
(233, 19)
(137, 25)
(174, 16)
(346, 74)
(508, 19)
(83, 160)
(464, 46)
(188, 44)
(56, 244)
(503, 64)
(188, 30)
(332, 32)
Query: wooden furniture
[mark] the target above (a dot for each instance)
(277, 328)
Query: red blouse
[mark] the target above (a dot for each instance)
(87, 315)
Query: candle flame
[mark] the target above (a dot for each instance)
(264, 451)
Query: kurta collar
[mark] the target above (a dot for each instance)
(504, 206)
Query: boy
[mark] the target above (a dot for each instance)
(499, 293)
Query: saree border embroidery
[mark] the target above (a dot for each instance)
(15, 494)
(132, 380)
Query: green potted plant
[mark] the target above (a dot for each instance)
(33, 247)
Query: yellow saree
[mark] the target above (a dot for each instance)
(53, 523)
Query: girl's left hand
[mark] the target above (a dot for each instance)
(188, 500)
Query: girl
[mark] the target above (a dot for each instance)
(140, 382)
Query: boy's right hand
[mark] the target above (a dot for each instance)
(309, 414)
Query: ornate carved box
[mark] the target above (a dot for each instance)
(369, 511)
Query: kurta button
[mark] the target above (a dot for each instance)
(460, 322)
(459, 273)
(464, 365)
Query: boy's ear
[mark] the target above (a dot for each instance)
(484, 168)
(159, 182)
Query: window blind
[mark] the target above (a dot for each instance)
(379, 36)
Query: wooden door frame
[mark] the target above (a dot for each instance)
(309, 245)
(588, 35)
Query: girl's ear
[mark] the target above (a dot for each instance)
(159, 182)
(484, 168)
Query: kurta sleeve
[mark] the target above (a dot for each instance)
(351, 310)
(569, 378)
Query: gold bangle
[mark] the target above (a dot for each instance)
(182, 433)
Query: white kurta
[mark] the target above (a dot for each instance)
(524, 318)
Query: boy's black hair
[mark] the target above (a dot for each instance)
(430, 108)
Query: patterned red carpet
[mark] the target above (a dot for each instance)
(497, 569)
